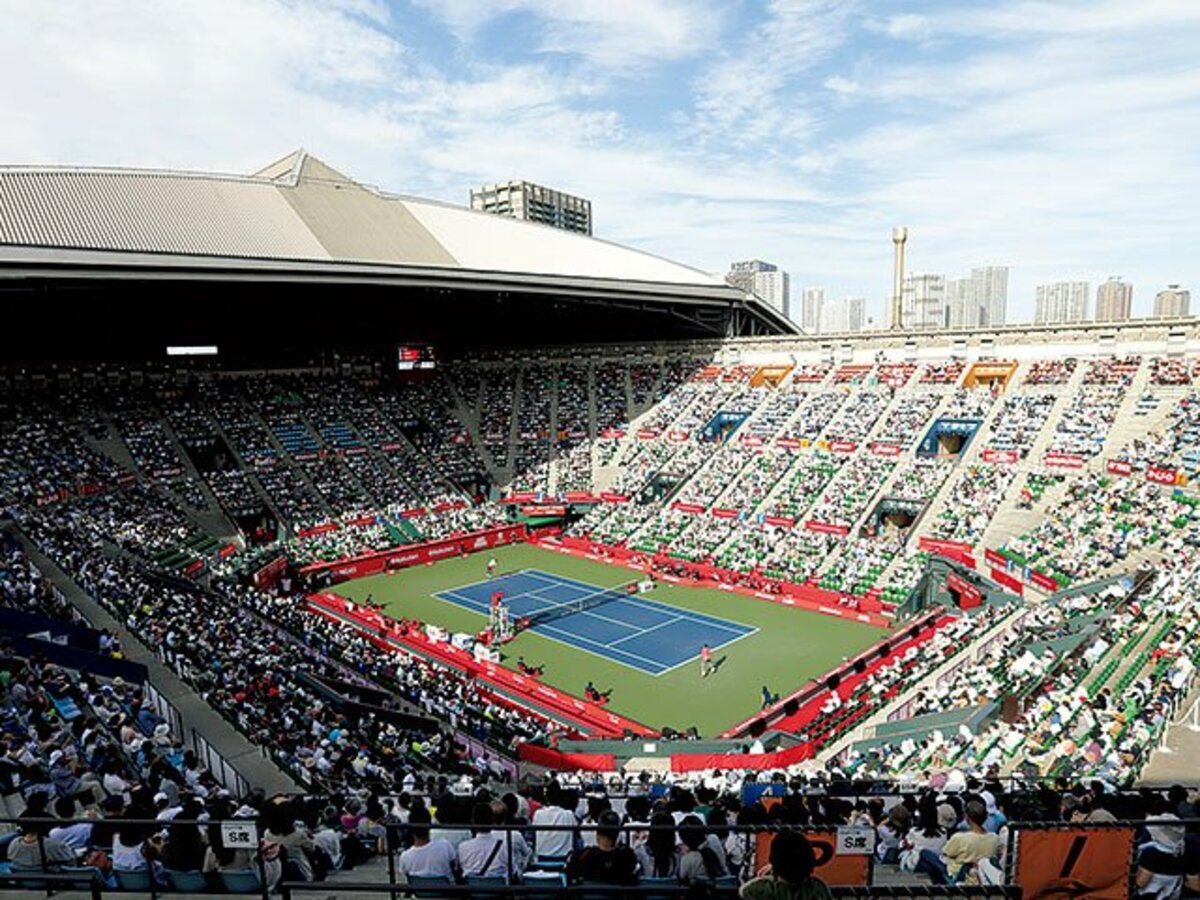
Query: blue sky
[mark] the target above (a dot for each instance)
(1059, 138)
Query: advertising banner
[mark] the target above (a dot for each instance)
(999, 456)
(1062, 461)
(1007, 581)
(826, 527)
(1092, 863)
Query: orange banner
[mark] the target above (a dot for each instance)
(832, 868)
(1080, 863)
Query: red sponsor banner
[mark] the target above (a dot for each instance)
(92, 487)
(843, 446)
(692, 509)
(580, 497)
(678, 435)
(724, 513)
(361, 522)
(612, 433)
(885, 449)
(417, 554)
(268, 576)
(194, 567)
(777, 759)
(1003, 579)
(1118, 467)
(323, 528)
(415, 513)
(514, 688)
(996, 558)
(390, 447)
(1159, 475)
(227, 551)
(125, 479)
(647, 434)
(999, 456)
(752, 440)
(610, 497)
(355, 451)
(566, 762)
(1043, 582)
(969, 596)
(955, 550)
(1062, 461)
(781, 521)
(826, 527)
(789, 443)
(536, 510)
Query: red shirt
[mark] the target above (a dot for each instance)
(705, 654)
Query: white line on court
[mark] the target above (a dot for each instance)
(646, 603)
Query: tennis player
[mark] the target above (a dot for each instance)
(491, 567)
(705, 661)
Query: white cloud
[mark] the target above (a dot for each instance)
(841, 85)
(903, 27)
(612, 33)
(748, 96)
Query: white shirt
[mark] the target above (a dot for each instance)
(474, 856)
(434, 860)
(554, 843)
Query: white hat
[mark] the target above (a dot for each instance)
(160, 797)
(55, 756)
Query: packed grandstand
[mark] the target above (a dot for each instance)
(920, 587)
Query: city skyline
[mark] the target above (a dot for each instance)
(1026, 131)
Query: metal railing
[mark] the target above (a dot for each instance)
(220, 767)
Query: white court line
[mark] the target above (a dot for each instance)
(496, 580)
(692, 659)
(653, 605)
(679, 615)
(646, 631)
(577, 639)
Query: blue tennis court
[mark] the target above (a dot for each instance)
(638, 632)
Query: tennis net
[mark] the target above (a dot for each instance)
(583, 604)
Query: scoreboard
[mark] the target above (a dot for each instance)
(415, 356)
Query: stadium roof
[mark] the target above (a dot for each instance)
(298, 208)
(83, 243)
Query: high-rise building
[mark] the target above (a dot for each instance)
(923, 301)
(989, 286)
(811, 303)
(766, 280)
(1114, 300)
(534, 203)
(961, 309)
(1172, 302)
(1062, 301)
(856, 308)
(842, 316)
